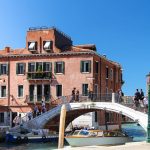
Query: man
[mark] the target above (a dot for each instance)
(141, 96)
(17, 120)
(137, 98)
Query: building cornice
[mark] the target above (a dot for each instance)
(69, 53)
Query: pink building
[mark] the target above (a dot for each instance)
(48, 67)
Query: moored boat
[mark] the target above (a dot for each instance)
(97, 137)
(40, 135)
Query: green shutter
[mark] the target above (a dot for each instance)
(7, 69)
(55, 67)
(81, 66)
(44, 66)
(24, 68)
(63, 67)
(0, 69)
(17, 68)
(50, 66)
(29, 67)
(89, 63)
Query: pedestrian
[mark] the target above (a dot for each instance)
(137, 98)
(121, 94)
(35, 111)
(77, 96)
(17, 120)
(73, 94)
(91, 92)
(43, 109)
(141, 97)
(43, 103)
(29, 114)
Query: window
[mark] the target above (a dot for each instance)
(95, 116)
(58, 90)
(59, 67)
(31, 67)
(32, 46)
(85, 89)
(39, 66)
(3, 91)
(20, 68)
(39, 92)
(1, 117)
(47, 66)
(20, 90)
(96, 67)
(111, 74)
(47, 45)
(3, 69)
(47, 92)
(85, 66)
(31, 92)
(107, 72)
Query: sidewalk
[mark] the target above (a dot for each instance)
(128, 146)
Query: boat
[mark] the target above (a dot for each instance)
(97, 137)
(3, 130)
(40, 135)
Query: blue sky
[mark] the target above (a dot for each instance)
(119, 28)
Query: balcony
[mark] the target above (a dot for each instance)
(46, 75)
(38, 98)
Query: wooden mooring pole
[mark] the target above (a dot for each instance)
(62, 127)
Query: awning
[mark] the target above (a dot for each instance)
(20, 109)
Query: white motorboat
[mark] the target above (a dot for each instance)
(97, 137)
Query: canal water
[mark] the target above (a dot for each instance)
(133, 130)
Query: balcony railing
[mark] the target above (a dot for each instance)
(39, 75)
(38, 98)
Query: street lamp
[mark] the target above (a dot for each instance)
(148, 126)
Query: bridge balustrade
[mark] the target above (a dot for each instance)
(128, 101)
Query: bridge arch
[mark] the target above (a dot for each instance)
(86, 107)
(42, 120)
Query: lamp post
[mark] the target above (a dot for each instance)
(148, 126)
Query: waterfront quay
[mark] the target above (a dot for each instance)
(128, 146)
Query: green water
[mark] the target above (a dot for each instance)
(131, 129)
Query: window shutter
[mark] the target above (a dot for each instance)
(24, 68)
(29, 67)
(63, 67)
(81, 66)
(50, 66)
(44, 66)
(17, 68)
(55, 67)
(7, 69)
(0, 69)
(89, 63)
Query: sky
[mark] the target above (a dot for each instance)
(120, 29)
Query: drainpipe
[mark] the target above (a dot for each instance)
(100, 77)
(10, 113)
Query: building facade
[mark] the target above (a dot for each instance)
(49, 67)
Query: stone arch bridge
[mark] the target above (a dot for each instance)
(78, 109)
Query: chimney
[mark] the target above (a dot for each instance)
(7, 49)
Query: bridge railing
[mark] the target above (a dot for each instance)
(87, 98)
(129, 101)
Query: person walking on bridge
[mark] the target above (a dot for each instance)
(141, 97)
(137, 98)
